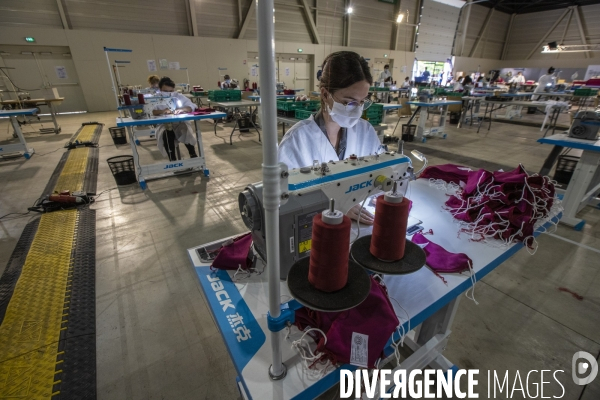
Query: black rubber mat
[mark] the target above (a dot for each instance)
(11, 274)
(91, 172)
(75, 141)
(78, 341)
(54, 178)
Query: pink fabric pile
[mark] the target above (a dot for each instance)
(499, 205)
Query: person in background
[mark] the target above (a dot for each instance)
(386, 75)
(480, 82)
(226, 84)
(458, 87)
(426, 74)
(546, 80)
(337, 130)
(467, 81)
(181, 132)
(406, 83)
(518, 79)
(153, 82)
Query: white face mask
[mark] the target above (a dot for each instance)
(166, 94)
(344, 116)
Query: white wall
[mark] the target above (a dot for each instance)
(202, 57)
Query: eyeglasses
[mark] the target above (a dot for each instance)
(351, 105)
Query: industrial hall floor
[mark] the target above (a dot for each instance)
(155, 335)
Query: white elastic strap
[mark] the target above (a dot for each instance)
(402, 334)
(358, 219)
(240, 270)
(472, 289)
(303, 347)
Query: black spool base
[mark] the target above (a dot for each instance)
(413, 260)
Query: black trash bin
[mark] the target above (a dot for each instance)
(408, 132)
(119, 136)
(123, 169)
(565, 168)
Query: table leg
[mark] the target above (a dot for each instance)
(233, 131)
(200, 146)
(551, 160)
(578, 186)
(484, 114)
(136, 159)
(27, 152)
(53, 114)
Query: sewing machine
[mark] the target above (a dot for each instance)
(306, 191)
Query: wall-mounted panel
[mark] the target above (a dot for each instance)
(436, 32)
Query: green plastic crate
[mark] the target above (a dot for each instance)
(375, 111)
(224, 95)
(313, 105)
(379, 89)
(304, 114)
(585, 92)
(289, 105)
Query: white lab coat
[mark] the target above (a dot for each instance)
(405, 84)
(184, 131)
(305, 142)
(518, 79)
(542, 83)
(384, 75)
(457, 86)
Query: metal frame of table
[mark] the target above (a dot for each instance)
(166, 169)
(239, 308)
(22, 146)
(423, 110)
(237, 114)
(585, 182)
(520, 104)
(35, 103)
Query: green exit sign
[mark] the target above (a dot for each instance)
(30, 39)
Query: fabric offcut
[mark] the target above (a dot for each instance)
(374, 317)
(500, 205)
(234, 254)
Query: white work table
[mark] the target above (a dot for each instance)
(428, 301)
(36, 103)
(252, 106)
(22, 146)
(585, 182)
(423, 110)
(168, 168)
(514, 108)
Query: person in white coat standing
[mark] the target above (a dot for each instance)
(546, 80)
(169, 135)
(337, 130)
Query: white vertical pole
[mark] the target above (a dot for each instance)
(271, 169)
(112, 81)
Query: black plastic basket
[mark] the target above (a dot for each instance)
(565, 169)
(123, 169)
(408, 132)
(119, 136)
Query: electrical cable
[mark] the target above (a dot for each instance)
(21, 89)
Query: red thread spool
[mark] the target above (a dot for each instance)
(328, 268)
(141, 98)
(127, 99)
(131, 92)
(389, 229)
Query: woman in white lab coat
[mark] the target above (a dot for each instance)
(546, 80)
(169, 135)
(337, 130)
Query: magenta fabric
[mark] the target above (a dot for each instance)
(502, 205)
(447, 172)
(374, 317)
(234, 254)
(441, 260)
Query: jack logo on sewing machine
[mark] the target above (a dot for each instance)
(176, 165)
(361, 185)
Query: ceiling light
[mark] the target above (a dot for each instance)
(26, 53)
(399, 19)
(553, 46)
(46, 53)
(350, 9)
(30, 39)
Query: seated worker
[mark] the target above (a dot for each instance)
(153, 82)
(467, 81)
(406, 83)
(458, 87)
(337, 130)
(226, 84)
(518, 79)
(181, 132)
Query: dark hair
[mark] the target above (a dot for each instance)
(468, 80)
(166, 81)
(153, 79)
(226, 77)
(551, 70)
(386, 66)
(343, 69)
(407, 78)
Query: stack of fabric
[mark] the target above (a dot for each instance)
(499, 205)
